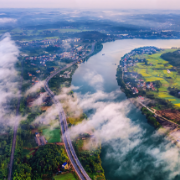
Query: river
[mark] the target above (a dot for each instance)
(131, 148)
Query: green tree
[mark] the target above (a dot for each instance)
(158, 84)
(23, 171)
(47, 159)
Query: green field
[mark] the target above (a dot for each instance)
(32, 32)
(157, 69)
(68, 176)
(60, 30)
(70, 30)
(2, 31)
(39, 38)
(52, 135)
(17, 30)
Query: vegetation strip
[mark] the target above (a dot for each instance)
(63, 118)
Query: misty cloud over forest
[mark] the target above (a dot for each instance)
(9, 79)
(116, 20)
(130, 144)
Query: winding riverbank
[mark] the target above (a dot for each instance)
(131, 148)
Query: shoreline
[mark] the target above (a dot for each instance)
(170, 129)
(97, 50)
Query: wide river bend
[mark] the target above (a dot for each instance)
(131, 148)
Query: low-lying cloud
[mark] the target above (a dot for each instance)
(107, 114)
(50, 114)
(68, 102)
(7, 20)
(9, 79)
(95, 80)
(66, 44)
(39, 101)
(130, 147)
(35, 88)
(129, 144)
(133, 149)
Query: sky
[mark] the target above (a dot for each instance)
(92, 4)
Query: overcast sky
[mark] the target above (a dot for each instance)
(104, 4)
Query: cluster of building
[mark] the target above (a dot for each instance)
(77, 52)
(73, 51)
(34, 79)
(42, 58)
(145, 85)
(46, 42)
(148, 34)
(133, 81)
(129, 60)
(140, 84)
(135, 90)
(64, 166)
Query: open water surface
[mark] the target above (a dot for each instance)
(131, 148)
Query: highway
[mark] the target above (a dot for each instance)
(13, 143)
(14, 136)
(64, 127)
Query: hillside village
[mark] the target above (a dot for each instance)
(133, 80)
(149, 73)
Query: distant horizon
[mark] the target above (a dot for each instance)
(91, 9)
(94, 4)
(87, 8)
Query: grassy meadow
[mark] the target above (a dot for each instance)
(52, 135)
(68, 176)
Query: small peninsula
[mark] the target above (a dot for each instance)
(150, 76)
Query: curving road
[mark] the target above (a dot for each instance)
(157, 115)
(64, 127)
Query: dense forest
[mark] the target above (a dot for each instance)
(90, 160)
(174, 92)
(45, 162)
(173, 58)
(5, 150)
(150, 118)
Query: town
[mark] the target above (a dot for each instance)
(133, 80)
(51, 54)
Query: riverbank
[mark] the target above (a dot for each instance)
(49, 127)
(92, 158)
(127, 77)
(130, 147)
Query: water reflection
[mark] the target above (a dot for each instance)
(131, 148)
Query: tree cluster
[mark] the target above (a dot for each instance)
(91, 161)
(5, 152)
(150, 117)
(44, 162)
(174, 92)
